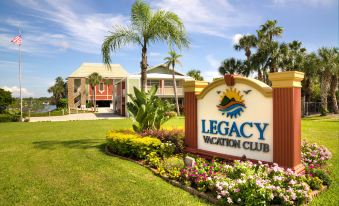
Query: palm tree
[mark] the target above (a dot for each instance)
(146, 27)
(58, 89)
(172, 60)
(246, 43)
(334, 84)
(231, 66)
(196, 74)
(93, 80)
(267, 32)
(310, 68)
(328, 65)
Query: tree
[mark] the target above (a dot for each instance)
(196, 74)
(327, 68)
(292, 56)
(233, 66)
(5, 99)
(334, 84)
(58, 89)
(246, 43)
(172, 60)
(93, 80)
(310, 68)
(266, 43)
(146, 27)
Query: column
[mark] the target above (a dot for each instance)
(191, 89)
(287, 119)
(70, 92)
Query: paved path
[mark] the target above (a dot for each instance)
(80, 116)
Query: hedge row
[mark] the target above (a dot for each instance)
(9, 118)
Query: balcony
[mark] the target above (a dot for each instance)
(168, 91)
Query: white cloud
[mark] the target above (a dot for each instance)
(16, 91)
(81, 31)
(313, 3)
(236, 38)
(209, 75)
(212, 72)
(213, 17)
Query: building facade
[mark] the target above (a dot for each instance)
(80, 92)
(160, 76)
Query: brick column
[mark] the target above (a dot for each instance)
(83, 91)
(287, 119)
(191, 89)
(70, 91)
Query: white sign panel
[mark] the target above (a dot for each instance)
(236, 121)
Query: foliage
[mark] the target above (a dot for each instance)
(136, 146)
(196, 74)
(172, 60)
(9, 118)
(146, 27)
(93, 80)
(313, 155)
(5, 99)
(171, 166)
(174, 136)
(147, 110)
(233, 66)
(62, 103)
(58, 89)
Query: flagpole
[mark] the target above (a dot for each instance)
(20, 82)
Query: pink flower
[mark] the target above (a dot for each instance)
(236, 190)
(229, 200)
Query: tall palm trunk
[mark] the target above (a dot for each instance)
(144, 67)
(260, 75)
(175, 91)
(307, 87)
(95, 100)
(324, 87)
(333, 89)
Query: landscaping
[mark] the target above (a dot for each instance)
(64, 163)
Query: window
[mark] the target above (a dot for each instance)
(152, 82)
(169, 83)
(101, 87)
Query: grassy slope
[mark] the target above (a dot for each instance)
(62, 163)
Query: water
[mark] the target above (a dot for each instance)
(47, 108)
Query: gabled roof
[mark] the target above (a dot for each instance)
(85, 69)
(162, 69)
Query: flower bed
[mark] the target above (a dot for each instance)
(238, 182)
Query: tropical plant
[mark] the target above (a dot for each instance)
(147, 110)
(246, 43)
(172, 60)
(93, 80)
(5, 99)
(58, 89)
(233, 66)
(146, 27)
(328, 66)
(196, 74)
(310, 68)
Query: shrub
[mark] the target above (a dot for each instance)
(147, 110)
(135, 146)
(174, 136)
(171, 166)
(9, 118)
(313, 155)
(321, 174)
(62, 103)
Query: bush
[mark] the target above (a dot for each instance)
(171, 166)
(174, 136)
(9, 118)
(136, 146)
(62, 103)
(314, 156)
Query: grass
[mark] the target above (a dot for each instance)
(63, 163)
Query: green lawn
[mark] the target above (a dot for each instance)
(63, 163)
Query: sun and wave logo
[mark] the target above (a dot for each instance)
(231, 103)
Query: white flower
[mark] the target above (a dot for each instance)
(239, 200)
(229, 200)
(218, 197)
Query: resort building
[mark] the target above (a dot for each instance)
(80, 92)
(117, 83)
(159, 75)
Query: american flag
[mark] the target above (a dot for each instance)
(17, 40)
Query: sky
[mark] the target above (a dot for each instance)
(58, 36)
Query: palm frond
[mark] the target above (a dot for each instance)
(141, 15)
(121, 36)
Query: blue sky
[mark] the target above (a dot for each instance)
(60, 35)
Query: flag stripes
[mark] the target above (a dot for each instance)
(17, 40)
